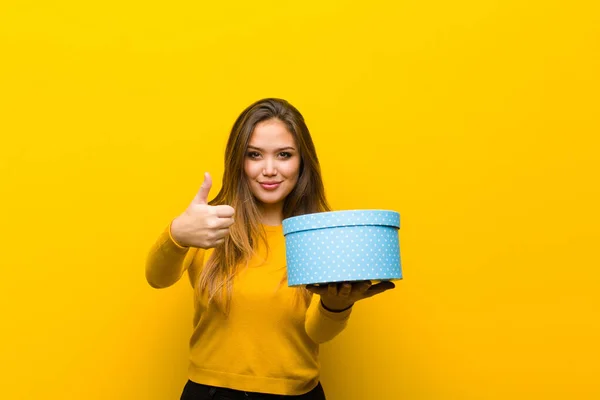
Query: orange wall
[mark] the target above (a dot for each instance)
(476, 120)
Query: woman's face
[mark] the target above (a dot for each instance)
(272, 162)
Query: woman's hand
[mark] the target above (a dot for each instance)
(202, 225)
(340, 296)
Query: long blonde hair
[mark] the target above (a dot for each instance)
(308, 196)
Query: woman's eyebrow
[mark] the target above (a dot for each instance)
(277, 150)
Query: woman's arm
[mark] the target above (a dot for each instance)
(167, 260)
(323, 325)
(331, 306)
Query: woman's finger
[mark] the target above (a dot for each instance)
(361, 287)
(345, 289)
(379, 288)
(320, 290)
(332, 289)
(221, 233)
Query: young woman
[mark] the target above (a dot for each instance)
(254, 337)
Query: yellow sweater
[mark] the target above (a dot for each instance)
(270, 341)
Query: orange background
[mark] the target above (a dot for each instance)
(477, 121)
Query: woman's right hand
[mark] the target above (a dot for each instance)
(202, 225)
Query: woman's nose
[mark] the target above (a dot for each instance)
(269, 168)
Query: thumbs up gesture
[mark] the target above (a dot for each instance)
(202, 225)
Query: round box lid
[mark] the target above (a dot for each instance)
(332, 219)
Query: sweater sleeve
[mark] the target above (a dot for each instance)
(322, 325)
(167, 260)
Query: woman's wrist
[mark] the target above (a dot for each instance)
(335, 310)
(174, 234)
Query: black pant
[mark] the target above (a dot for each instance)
(196, 391)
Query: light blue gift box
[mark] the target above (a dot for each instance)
(337, 246)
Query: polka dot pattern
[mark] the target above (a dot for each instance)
(342, 246)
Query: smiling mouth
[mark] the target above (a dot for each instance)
(270, 185)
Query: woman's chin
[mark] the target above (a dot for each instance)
(269, 201)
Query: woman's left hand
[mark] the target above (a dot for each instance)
(340, 296)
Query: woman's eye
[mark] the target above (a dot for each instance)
(255, 154)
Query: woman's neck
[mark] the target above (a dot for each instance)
(271, 214)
